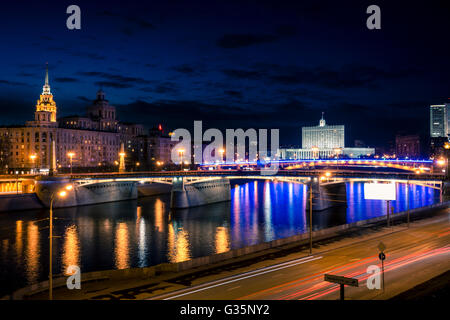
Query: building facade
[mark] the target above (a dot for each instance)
(323, 142)
(407, 146)
(93, 140)
(439, 121)
(323, 136)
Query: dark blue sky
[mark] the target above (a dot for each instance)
(233, 63)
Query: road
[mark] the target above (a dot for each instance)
(413, 256)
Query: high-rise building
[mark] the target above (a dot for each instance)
(323, 136)
(447, 110)
(439, 121)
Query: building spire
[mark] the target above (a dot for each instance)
(46, 74)
(322, 121)
(46, 88)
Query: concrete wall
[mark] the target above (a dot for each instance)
(18, 202)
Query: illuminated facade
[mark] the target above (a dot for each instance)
(439, 120)
(323, 136)
(94, 140)
(322, 142)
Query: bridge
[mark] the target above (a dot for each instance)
(422, 172)
(326, 182)
(411, 165)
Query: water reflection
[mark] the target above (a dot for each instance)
(122, 246)
(178, 244)
(222, 240)
(71, 250)
(19, 238)
(32, 253)
(142, 233)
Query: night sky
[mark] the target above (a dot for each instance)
(233, 64)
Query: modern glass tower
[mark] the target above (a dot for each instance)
(439, 121)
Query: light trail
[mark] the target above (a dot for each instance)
(239, 277)
(393, 265)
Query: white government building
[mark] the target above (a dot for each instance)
(324, 141)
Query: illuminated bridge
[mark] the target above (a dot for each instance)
(411, 165)
(422, 172)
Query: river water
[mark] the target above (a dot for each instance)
(144, 232)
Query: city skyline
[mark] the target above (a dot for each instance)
(272, 67)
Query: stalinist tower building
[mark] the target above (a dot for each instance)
(46, 106)
(91, 140)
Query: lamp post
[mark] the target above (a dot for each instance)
(310, 216)
(33, 159)
(122, 162)
(71, 155)
(221, 151)
(180, 153)
(61, 194)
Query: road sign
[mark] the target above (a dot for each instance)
(382, 256)
(381, 246)
(341, 280)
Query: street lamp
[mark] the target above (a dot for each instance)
(71, 155)
(121, 161)
(180, 153)
(61, 194)
(221, 151)
(33, 158)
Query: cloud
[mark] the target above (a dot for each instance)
(186, 69)
(349, 76)
(165, 87)
(113, 80)
(12, 83)
(244, 74)
(130, 24)
(112, 84)
(66, 80)
(232, 41)
(83, 98)
(234, 94)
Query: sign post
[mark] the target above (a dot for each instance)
(381, 191)
(388, 202)
(341, 281)
(382, 256)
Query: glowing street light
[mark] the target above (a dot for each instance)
(122, 161)
(33, 158)
(61, 194)
(181, 153)
(71, 155)
(441, 162)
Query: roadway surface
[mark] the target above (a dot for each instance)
(413, 256)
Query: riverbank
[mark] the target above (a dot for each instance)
(145, 282)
